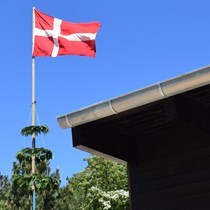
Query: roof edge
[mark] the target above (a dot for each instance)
(174, 86)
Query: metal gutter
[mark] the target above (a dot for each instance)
(183, 83)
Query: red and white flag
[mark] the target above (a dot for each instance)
(53, 37)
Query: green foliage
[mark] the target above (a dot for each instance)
(102, 185)
(41, 154)
(5, 193)
(46, 183)
(35, 129)
(24, 157)
(65, 199)
(42, 182)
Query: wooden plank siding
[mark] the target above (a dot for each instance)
(173, 172)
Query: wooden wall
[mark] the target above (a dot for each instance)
(173, 171)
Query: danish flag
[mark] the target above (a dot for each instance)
(53, 37)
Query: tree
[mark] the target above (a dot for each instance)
(5, 193)
(102, 185)
(46, 183)
(65, 199)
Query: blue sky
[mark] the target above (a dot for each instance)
(141, 42)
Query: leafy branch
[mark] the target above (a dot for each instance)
(43, 182)
(40, 154)
(34, 129)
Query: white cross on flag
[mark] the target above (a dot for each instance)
(53, 37)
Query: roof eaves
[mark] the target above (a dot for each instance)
(192, 80)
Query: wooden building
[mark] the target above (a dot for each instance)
(162, 133)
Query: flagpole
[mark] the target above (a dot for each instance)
(33, 111)
(33, 163)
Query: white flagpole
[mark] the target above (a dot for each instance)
(33, 116)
